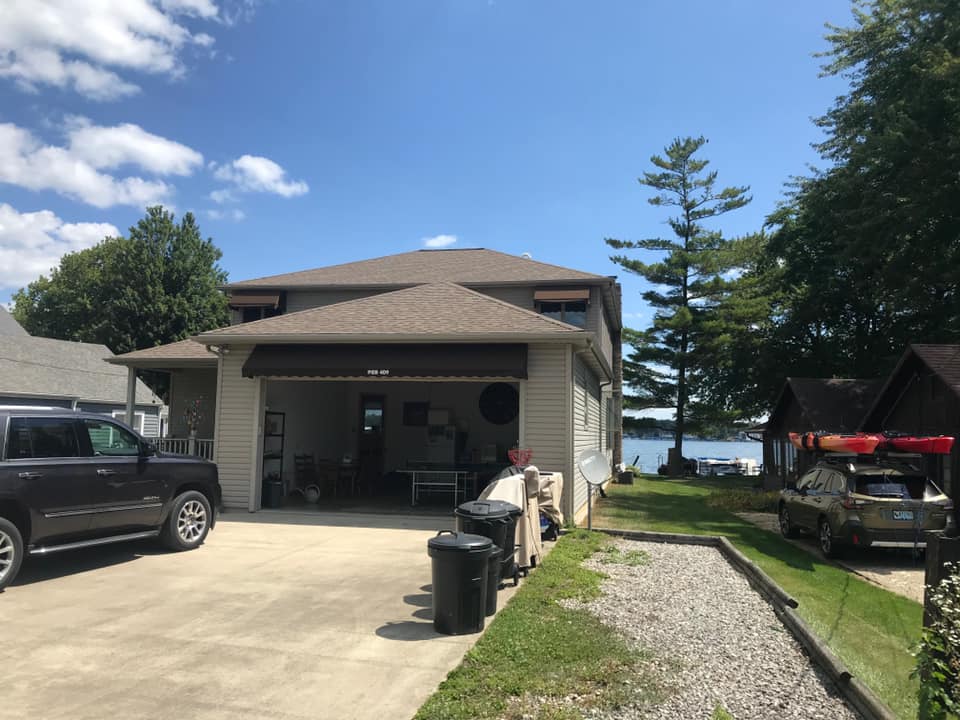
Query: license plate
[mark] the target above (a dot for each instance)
(903, 514)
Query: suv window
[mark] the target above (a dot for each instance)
(807, 481)
(107, 438)
(42, 438)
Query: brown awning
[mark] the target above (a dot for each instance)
(388, 361)
(561, 295)
(260, 300)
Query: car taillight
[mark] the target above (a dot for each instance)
(947, 506)
(853, 503)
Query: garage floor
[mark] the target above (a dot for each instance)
(276, 616)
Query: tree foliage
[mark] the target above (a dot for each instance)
(156, 286)
(863, 257)
(690, 277)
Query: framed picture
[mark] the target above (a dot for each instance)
(415, 413)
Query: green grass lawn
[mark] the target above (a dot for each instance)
(870, 629)
(536, 653)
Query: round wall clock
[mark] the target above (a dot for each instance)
(499, 403)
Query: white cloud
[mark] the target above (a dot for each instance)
(222, 196)
(75, 170)
(235, 215)
(127, 144)
(33, 243)
(82, 44)
(439, 241)
(252, 173)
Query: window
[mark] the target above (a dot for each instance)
(106, 438)
(808, 480)
(137, 423)
(42, 438)
(573, 312)
(250, 314)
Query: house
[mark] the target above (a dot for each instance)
(61, 373)
(809, 404)
(922, 397)
(434, 361)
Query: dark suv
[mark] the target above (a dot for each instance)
(71, 480)
(853, 504)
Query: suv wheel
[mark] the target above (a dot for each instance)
(188, 523)
(786, 527)
(825, 535)
(11, 552)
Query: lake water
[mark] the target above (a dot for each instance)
(653, 453)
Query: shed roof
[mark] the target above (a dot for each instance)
(944, 360)
(439, 311)
(477, 266)
(46, 368)
(837, 404)
(9, 326)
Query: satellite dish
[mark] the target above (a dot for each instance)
(594, 466)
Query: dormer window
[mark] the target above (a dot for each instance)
(256, 306)
(569, 306)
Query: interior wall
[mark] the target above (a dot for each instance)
(322, 419)
(406, 443)
(314, 420)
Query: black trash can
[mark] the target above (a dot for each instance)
(493, 579)
(496, 520)
(460, 568)
(272, 493)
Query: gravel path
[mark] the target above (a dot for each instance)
(714, 640)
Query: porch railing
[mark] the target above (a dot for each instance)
(199, 447)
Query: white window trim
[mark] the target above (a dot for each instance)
(138, 416)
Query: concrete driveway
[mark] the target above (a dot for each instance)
(276, 616)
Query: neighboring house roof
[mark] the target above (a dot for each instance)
(941, 360)
(465, 267)
(837, 404)
(439, 311)
(45, 368)
(9, 326)
(184, 352)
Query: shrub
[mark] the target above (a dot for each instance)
(938, 655)
(744, 500)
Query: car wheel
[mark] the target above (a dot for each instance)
(188, 523)
(828, 547)
(11, 552)
(787, 528)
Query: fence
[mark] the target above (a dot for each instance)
(186, 446)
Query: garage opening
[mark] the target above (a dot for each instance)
(383, 444)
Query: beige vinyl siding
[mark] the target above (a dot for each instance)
(521, 296)
(586, 423)
(547, 410)
(238, 415)
(305, 299)
(151, 422)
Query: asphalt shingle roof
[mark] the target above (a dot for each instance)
(184, 350)
(42, 367)
(9, 326)
(441, 309)
(944, 360)
(837, 404)
(466, 267)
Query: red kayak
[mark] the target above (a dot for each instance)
(937, 445)
(859, 443)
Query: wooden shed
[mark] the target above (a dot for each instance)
(807, 404)
(922, 397)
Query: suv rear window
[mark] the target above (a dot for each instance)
(905, 487)
(42, 438)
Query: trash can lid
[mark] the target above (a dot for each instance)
(487, 509)
(450, 541)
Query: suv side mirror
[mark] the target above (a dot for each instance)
(147, 449)
(791, 486)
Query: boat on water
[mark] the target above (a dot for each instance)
(712, 466)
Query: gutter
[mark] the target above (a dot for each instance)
(599, 281)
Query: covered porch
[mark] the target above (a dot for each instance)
(192, 401)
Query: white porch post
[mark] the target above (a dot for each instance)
(131, 394)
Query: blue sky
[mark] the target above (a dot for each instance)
(310, 133)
